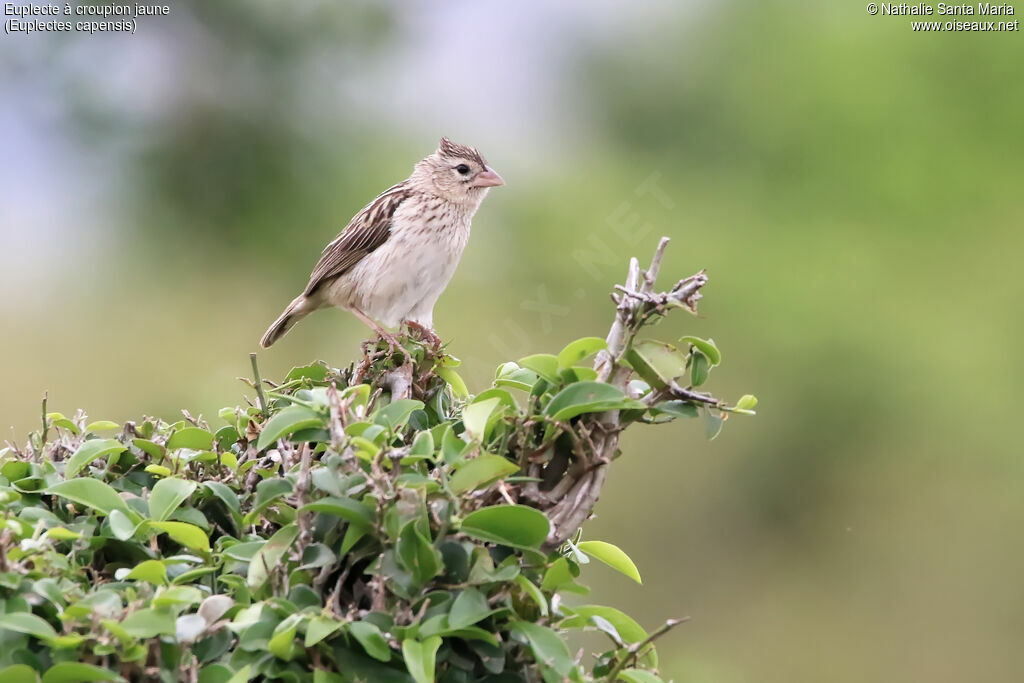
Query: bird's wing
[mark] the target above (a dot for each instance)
(367, 230)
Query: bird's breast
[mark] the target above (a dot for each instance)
(415, 263)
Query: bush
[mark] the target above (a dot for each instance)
(367, 524)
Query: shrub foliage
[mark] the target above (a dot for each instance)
(374, 523)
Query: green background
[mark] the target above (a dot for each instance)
(853, 188)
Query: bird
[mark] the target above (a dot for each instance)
(394, 259)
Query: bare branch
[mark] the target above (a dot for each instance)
(635, 648)
(301, 496)
(651, 274)
(636, 303)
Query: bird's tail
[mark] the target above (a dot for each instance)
(296, 311)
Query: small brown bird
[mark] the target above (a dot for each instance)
(395, 257)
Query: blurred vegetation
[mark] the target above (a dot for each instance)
(852, 187)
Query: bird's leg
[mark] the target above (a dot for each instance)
(393, 344)
(425, 333)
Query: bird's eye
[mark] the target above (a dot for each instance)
(462, 169)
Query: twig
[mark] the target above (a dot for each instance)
(570, 505)
(301, 493)
(46, 424)
(687, 291)
(633, 649)
(651, 274)
(686, 394)
(259, 384)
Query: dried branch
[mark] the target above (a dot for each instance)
(634, 649)
(635, 305)
(302, 497)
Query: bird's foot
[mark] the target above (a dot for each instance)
(425, 333)
(393, 344)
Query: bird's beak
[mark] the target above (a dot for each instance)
(488, 178)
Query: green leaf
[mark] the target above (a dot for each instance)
(317, 555)
(19, 673)
(346, 508)
(242, 675)
(59, 533)
(191, 437)
(288, 421)
(544, 364)
(167, 495)
(226, 495)
(58, 420)
(101, 426)
(215, 673)
(705, 346)
(49, 589)
(177, 596)
(423, 445)
(452, 446)
(159, 470)
(547, 646)
(122, 527)
(89, 451)
(353, 534)
(357, 667)
(282, 644)
(512, 525)
(150, 448)
(638, 676)
(188, 535)
(316, 372)
(557, 575)
(535, 594)
(454, 380)
(244, 551)
(677, 408)
(149, 623)
(25, 622)
(75, 672)
(747, 402)
(15, 469)
(656, 362)
(322, 676)
(152, 571)
(712, 423)
(588, 397)
(628, 629)
(417, 554)
(268, 557)
(267, 492)
(193, 574)
(698, 369)
(91, 493)
(470, 606)
(319, 628)
(475, 416)
(369, 636)
(420, 658)
(612, 556)
(480, 470)
(511, 375)
(576, 351)
(395, 415)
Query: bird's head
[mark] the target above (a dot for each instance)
(458, 173)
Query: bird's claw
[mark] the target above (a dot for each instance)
(425, 333)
